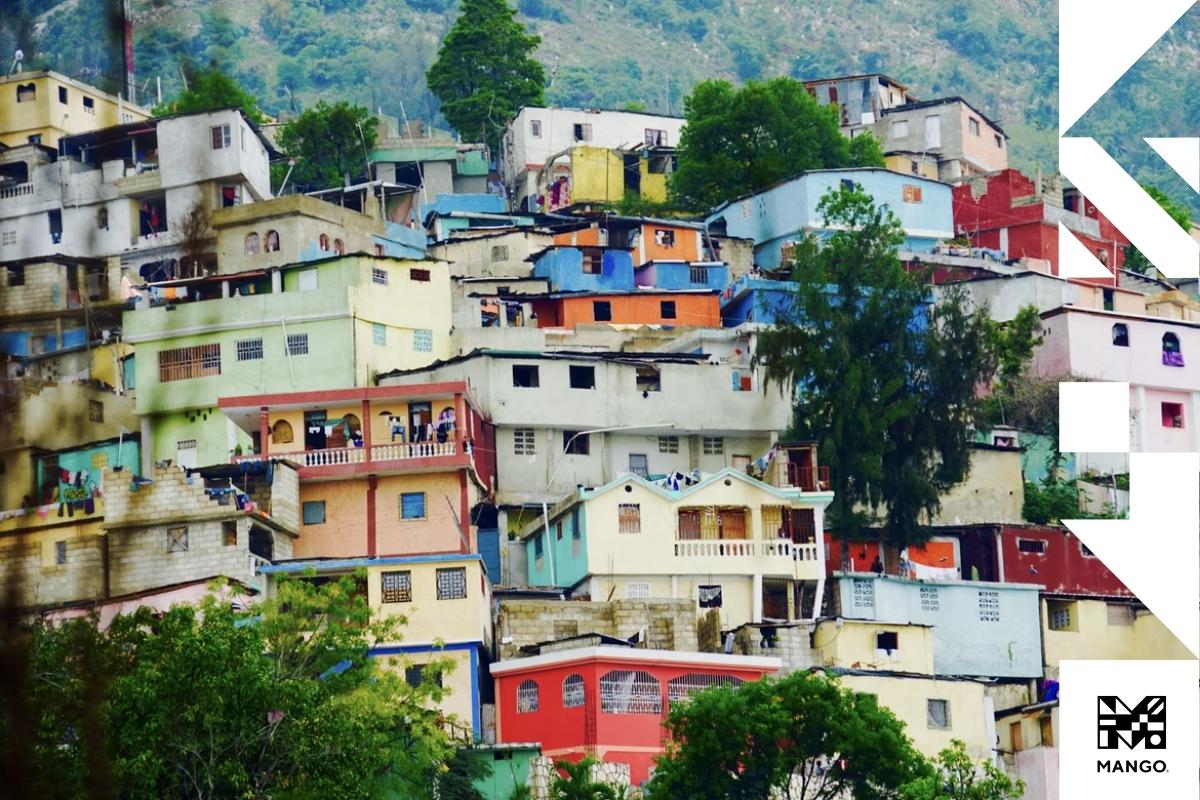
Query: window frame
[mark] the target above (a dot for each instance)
(629, 518)
(248, 349)
(221, 136)
(424, 506)
(580, 376)
(534, 374)
(602, 310)
(947, 722)
(296, 344)
(447, 571)
(313, 504)
(401, 592)
(577, 443)
(524, 442)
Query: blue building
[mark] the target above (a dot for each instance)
(682, 275)
(781, 214)
(585, 269)
(754, 299)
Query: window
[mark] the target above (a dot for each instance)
(655, 138)
(999, 140)
(523, 442)
(525, 376)
(667, 309)
(709, 596)
(539, 548)
(95, 411)
(89, 106)
(396, 587)
(912, 194)
(412, 505)
(637, 590)
(576, 444)
(272, 242)
(1061, 615)
(323, 241)
(602, 311)
(60, 552)
(379, 250)
(887, 640)
(313, 512)
(220, 137)
(1107, 294)
(664, 237)
(177, 540)
(1031, 545)
(938, 713)
(1172, 354)
(249, 349)
(681, 689)
(8, 237)
(535, 128)
(593, 261)
(379, 275)
(648, 379)
(629, 518)
(297, 344)
(228, 196)
(452, 583)
(250, 244)
(16, 274)
(1120, 335)
(419, 275)
(1172, 415)
(583, 377)
(582, 132)
(499, 252)
(422, 340)
(527, 697)
(102, 218)
(229, 533)
(62, 95)
(714, 445)
(915, 168)
(628, 692)
(339, 247)
(378, 334)
(639, 465)
(973, 126)
(414, 675)
(558, 530)
(572, 691)
(189, 362)
(1120, 614)
(668, 444)
(307, 280)
(26, 93)
(899, 129)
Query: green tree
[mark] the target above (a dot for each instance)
(209, 89)
(577, 783)
(327, 142)
(283, 701)
(886, 381)
(740, 140)
(958, 778)
(1135, 260)
(485, 72)
(805, 733)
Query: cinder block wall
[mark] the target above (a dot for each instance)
(670, 624)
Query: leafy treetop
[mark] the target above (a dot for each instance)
(958, 778)
(328, 142)
(209, 89)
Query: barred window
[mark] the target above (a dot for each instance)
(714, 445)
(421, 275)
(249, 349)
(682, 688)
(60, 552)
(396, 587)
(452, 583)
(523, 442)
(630, 692)
(423, 340)
(527, 697)
(1120, 614)
(637, 591)
(297, 344)
(629, 518)
(189, 362)
(379, 275)
(668, 444)
(572, 691)
(414, 675)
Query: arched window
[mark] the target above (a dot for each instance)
(572, 691)
(625, 691)
(1120, 335)
(1172, 353)
(682, 688)
(527, 697)
(355, 426)
(324, 241)
(272, 242)
(251, 244)
(26, 93)
(339, 247)
(281, 432)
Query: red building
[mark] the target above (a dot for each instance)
(608, 701)
(1008, 211)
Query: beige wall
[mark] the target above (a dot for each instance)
(993, 492)
(456, 684)
(851, 643)
(429, 619)
(47, 116)
(1093, 638)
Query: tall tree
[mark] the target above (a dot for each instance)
(887, 382)
(206, 702)
(327, 143)
(485, 72)
(806, 737)
(958, 778)
(208, 89)
(740, 140)
(1135, 260)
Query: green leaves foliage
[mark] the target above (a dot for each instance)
(805, 731)
(738, 140)
(209, 89)
(328, 142)
(958, 778)
(575, 783)
(484, 72)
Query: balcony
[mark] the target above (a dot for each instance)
(20, 190)
(770, 556)
(808, 479)
(383, 456)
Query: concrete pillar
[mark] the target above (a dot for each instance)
(366, 428)
(756, 604)
(264, 431)
(276, 281)
(224, 290)
(819, 600)
(147, 445)
(460, 421)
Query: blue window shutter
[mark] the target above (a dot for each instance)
(412, 505)
(314, 512)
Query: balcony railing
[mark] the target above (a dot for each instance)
(400, 452)
(736, 548)
(338, 456)
(697, 274)
(19, 190)
(808, 479)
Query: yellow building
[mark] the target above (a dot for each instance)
(446, 603)
(869, 645)
(592, 175)
(39, 107)
(1103, 630)
(910, 163)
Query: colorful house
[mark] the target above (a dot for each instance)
(41, 106)
(607, 702)
(650, 239)
(859, 100)
(964, 140)
(727, 541)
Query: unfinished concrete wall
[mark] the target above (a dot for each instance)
(670, 624)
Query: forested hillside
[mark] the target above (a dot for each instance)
(999, 54)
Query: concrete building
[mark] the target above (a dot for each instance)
(319, 325)
(1028, 743)
(728, 542)
(429, 159)
(41, 106)
(860, 100)
(778, 216)
(964, 140)
(537, 137)
(524, 624)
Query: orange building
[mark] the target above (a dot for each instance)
(646, 239)
(700, 308)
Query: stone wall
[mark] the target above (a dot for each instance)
(30, 560)
(790, 643)
(670, 624)
(542, 774)
(143, 558)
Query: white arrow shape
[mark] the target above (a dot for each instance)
(1075, 260)
(1182, 154)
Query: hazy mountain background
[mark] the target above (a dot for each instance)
(1001, 55)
